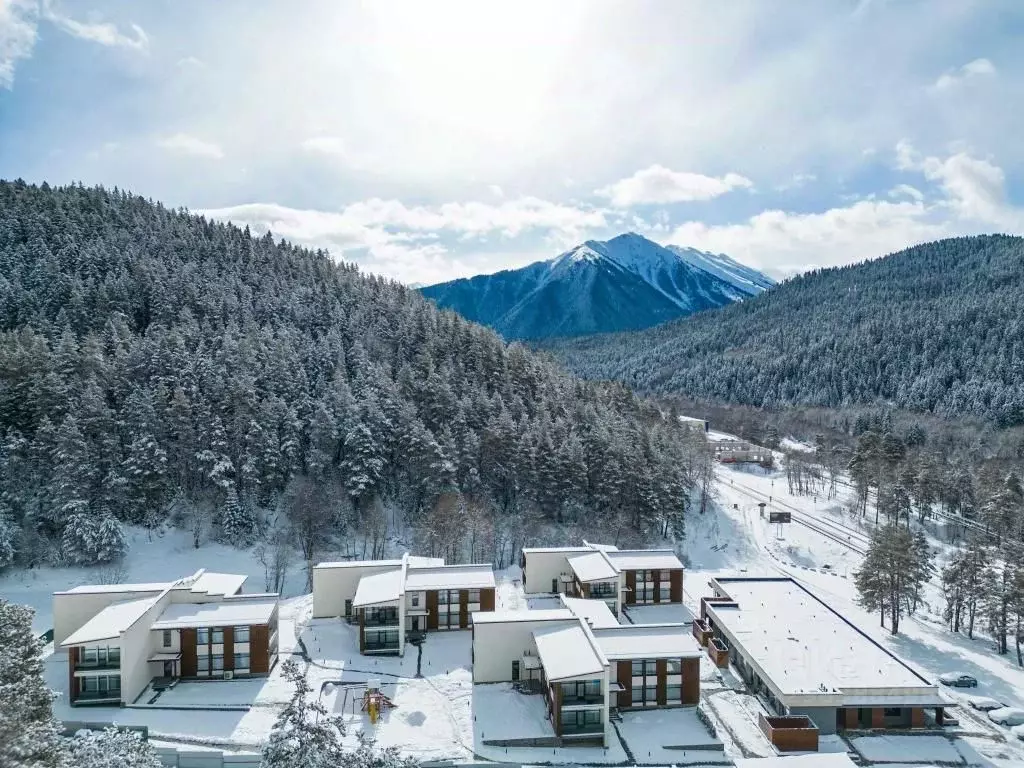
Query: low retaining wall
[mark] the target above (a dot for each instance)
(796, 733)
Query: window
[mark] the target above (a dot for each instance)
(114, 656)
(638, 695)
(638, 669)
(474, 595)
(203, 663)
(893, 712)
(442, 597)
(650, 667)
(650, 695)
(348, 608)
(218, 636)
(241, 661)
(202, 637)
(674, 693)
(674, 666)
(90, 656)
(218, 662)
(167, 638)
(241, 634)
(415, 601)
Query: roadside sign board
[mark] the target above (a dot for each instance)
(780, 517)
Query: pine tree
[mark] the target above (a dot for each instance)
(305, 734)
(29, 734)
(237, 521)
(111, 748)
(892, 574)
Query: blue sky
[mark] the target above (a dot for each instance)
(433, 140)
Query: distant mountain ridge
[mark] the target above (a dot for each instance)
(626, 283)
(934, 328)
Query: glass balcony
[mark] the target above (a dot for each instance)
(380, 618)
(94, 697)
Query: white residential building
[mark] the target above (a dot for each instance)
(390, 599)
(585, 664)
(603, 572)
(120, 637)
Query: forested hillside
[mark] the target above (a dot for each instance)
(937, 328)
(156, 366)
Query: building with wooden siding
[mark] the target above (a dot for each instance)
(121, 637)
(603, 572)
(390, 600)
(814, 670)
(586, 665)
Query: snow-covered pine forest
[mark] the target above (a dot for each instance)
(936, 328)
(157, 368)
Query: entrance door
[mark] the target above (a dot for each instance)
(415, 623)
(168, 669)
(515, 671)
(554, 586)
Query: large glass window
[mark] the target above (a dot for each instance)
(202, 637)
(674, 693)
(202, 663)
(218, 636)
(241, 634)
(638, 695)
(474, 595)
(442, 597)
(241, 661)
(218, 662)
(167, 638)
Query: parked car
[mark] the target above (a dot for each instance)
(983, 703)
(1007, 716)
(958, 680)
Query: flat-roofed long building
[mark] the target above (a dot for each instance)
(391, 599)
(585, 664)
(803, 658)
(120, 637)
(603, 572)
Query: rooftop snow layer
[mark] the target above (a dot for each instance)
(803, 645)
(449, 577)
(817, 760)
(224, 584)
(644, 559)
(566, 653)
(592, 566)
(556, 549)
(155, 586)
(543, 614)
(109, 623)
(227, 613)
(595, 612)
(358, 563)
(647, 641)
(379, 588)
(417, 561)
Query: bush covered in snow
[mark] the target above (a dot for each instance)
(88, 541)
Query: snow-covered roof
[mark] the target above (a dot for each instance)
(647, 641)
(449, 577)
(592, 566)
(109, 623)
(601, 547)
(644, 559)
(566, 652)
(155, 586)
(805, 647)
(595, 612)
(358, 563)
(553, 550)
(226, 613)
(418, 561)
(224, 584)
(817, 760)
(542, 614)
(379, 588)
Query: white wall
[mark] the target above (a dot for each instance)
(72, 611)
(497, 645)
(135, 652)
(542, 567)
(333, 586)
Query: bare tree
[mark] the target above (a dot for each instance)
(275, 553)
(313, 515)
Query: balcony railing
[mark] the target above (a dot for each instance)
(572, 700)
(97, 696)
(91, 666)
(586, 729)
(379, 646)
(601, 593)
(380, 620)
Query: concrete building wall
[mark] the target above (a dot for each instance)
(135, 651)
(497, 645)
(542, 567)
(823, 717)
(71, 611)
(333, 586)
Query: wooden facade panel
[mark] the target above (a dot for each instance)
(487, 599)
(189, 665)
(556, 704)
(431, 609)
(878, 717)
(362, 630)
(851, 718)
(630, 587)
(624, 676)
(229, 649)
(661, 666)
(675, 586)
(72, 660)
(691, 681)
(259, 649)
(463, 608)
(656, 579)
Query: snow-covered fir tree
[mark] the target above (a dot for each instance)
(111, 748)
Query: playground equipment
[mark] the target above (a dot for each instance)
(374, 701)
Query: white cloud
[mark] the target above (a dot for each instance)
(658, 185)
(798, 180)
(327, 145)
(191, 62)
(400, 241)
(496, 190)
(100, 32)
(184, 144)
(972, 69)
(971, 199)
(17, 36)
